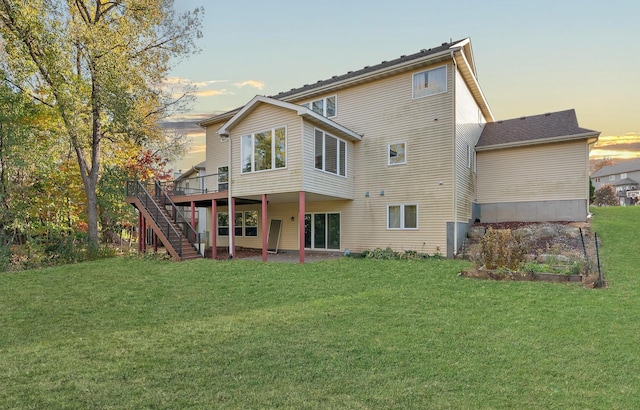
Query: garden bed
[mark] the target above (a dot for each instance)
(521, 276)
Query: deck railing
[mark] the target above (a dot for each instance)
(178, 217)
(196, 185)
(138, 190)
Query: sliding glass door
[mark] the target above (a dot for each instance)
(322, 231)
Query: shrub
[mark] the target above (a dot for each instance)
(605, 196)
(501, 250)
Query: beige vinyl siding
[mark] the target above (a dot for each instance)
(289, 179)
(469, 126)
(385, 112)
(320, 182)
(217, 155)
(560, 172)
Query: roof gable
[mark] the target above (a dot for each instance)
(313, 117)
(535, 129)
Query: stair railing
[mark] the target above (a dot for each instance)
(137, 189)
(178, 218)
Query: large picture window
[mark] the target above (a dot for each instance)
(323, 106)
(430, 82)
(402, 216)
(264, 150)
(330, 153)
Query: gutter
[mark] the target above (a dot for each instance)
(406, 66)
(515, 144)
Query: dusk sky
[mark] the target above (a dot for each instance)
(531, 57)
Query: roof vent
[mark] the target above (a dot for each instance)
(403, 56)
(546, 114)
(424, 50)
(319, 81)
(335, 76)
(349, 72)
(385, 61)
(444, 44)
(523, 118)
(365, 67)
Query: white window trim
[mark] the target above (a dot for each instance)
(313, 231)
(218, 226)
(309, 105)
(324, 155)
(446, 82)
(612, 177)
(245, 226)
(623, 175)
(402, 228)
(220, 183)
(273, 155)
(389, 155)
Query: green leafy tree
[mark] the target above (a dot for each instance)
(100, 65)
(605, 196)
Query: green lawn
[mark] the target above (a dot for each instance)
(343, 334)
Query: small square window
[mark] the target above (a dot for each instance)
(397, 153)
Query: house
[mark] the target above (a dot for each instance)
(403, 154)
(534, 168)
(624, 177)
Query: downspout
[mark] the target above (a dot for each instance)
(455, 155)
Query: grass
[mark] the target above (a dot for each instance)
(347, 334)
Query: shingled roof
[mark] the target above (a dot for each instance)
(535, 129)
(368, 69)
(621, 168)
(382, 67)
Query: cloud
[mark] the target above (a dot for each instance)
(211, 93)
(250, 83)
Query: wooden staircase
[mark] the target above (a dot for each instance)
(165, 219)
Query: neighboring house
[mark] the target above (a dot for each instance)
(624, 177)
(385, 156)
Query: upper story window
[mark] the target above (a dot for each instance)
(623, 175)
(612, 177)
(330, 153)
(264, 150)
(223, 178)
(430, 82)
(397, 153)
(324, 106)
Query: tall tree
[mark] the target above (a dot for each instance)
(101, 65)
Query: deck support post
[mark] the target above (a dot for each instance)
(214, 229)
(144, 234)
(193, 221)
(265, 229)
(301, 212)
(232, 227)
(139, 231)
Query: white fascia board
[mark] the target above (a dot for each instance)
(364, 77)
(478, 95)
(564, 138)
(299, 110)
